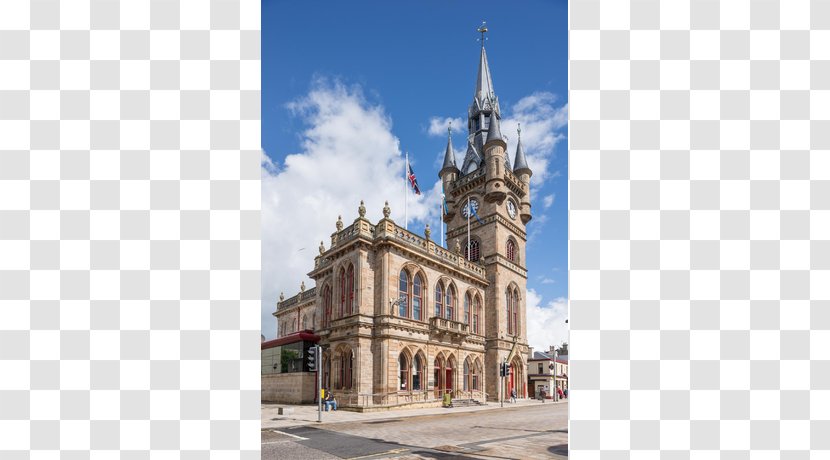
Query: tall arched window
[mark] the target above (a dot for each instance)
(350, 290)
(467, 308)
(476, 372)
(326, 306)
(511, 250)
(403, 372)
(403, 294)
(305, 322)
(439, 299)
(475, 252)
(476, 314)
(314, 321)
(416, 298)
(342, 310)
(417, 371)
(466, 374)
(509, 307)
(516, 311)
(449, 307)
(344, 375)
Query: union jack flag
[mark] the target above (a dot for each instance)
(412, 180)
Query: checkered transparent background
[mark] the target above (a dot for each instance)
(129, 229)
(700, 229)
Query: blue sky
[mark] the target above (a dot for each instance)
(392, 73)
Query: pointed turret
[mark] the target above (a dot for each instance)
(520, 163)
(521, 169)
(449, 156)
(494, 131)
(448, 174)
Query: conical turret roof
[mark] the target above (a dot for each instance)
(484, 82)
(493, 131)
(520, 163)
(449, 155)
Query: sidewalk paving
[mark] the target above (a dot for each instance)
(307, 414)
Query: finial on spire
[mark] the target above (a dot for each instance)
(449, 130)
(482, 29)
(519, 129)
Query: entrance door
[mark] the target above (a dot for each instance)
(448, 381)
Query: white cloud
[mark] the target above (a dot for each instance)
(546, 324)
(547, 201)
(348, 153)
(438, 126)
(541, 122)
(548, 281)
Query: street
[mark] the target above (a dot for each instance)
(526, 430)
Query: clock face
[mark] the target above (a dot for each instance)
(511, 209)
(465, 210)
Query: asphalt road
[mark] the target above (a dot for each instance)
(535, 431)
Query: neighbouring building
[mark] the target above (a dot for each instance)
(403, 320)
(546, 373)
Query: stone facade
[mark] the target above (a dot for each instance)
(381, 349)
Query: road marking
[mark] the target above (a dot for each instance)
(287, 434)
(388, 452)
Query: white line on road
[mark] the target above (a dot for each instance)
(287, 434)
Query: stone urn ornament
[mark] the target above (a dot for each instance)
(361, 211)
(339, 223)
(386, 210)
(322, 248)
(302, 286)
(427, 231)
(282, 296)
(457, 247)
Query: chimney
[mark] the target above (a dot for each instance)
(552, 350)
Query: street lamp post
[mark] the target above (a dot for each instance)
(555, 387)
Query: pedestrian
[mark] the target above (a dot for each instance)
(513, 395)
(560, 392)
(330, 401)
(543, 394)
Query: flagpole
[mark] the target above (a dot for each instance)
(469, 213)
(405, 198)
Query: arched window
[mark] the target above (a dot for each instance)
(450, 304)
(403, 306)
(403, 372)
(305, 322)
(476, 373)
(342, 311)
(476, 314)
(511, 250)
(350, 290)
(516, 312)
(416, 298)
(314, 321)
(509, 306)
(475, 252)
(326, 307)
(467, 308)
(417, 371)
(344, 374)
(439, 298)
(326, 371)
(466, 375)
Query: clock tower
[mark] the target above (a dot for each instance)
(489, 200)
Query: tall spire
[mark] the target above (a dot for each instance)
(449, 155)
(484, 82)
(520, 163)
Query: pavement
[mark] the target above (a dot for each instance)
(526, 429)
(307, 414)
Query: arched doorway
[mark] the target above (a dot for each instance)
(449, 372)
(516, 379)
(439, 375)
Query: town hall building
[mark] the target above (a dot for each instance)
(403, 320)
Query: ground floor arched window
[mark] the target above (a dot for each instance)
(344, 362)
(403, 372)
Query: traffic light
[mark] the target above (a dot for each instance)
(506, 370)
(312, 359)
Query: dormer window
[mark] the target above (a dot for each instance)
(486, 121)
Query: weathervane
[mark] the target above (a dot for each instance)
(449, 130)
(520, 131)
(482, 29)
